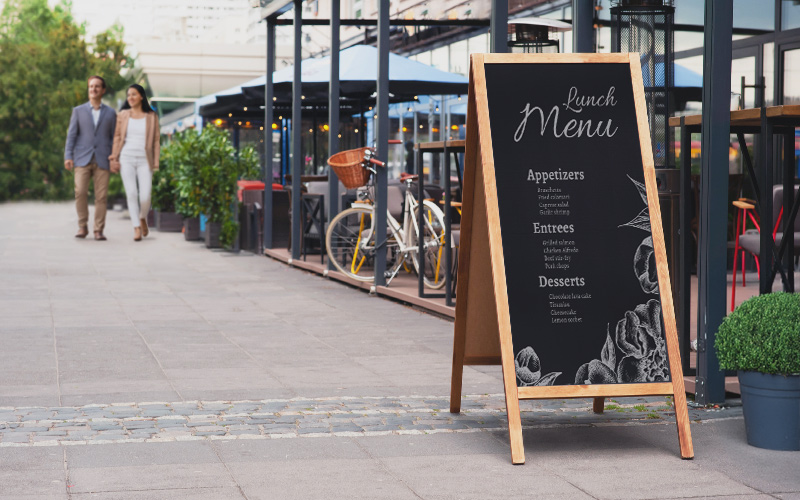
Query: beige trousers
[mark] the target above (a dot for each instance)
(82, 177)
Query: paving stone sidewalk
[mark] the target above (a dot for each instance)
(162, 369)
(322, 417)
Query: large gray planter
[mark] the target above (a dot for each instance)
(771, 405)
(191, 229)
(169, 222)
(212, 234)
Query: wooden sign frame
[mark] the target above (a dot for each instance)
(482, 333)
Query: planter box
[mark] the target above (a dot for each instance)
(191, 229)
(212, 234)
(169, 222)
(771, 407)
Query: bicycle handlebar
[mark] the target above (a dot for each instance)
(369, 158)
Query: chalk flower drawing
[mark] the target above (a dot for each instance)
(529, 369)
(639, 336)
(644, 265)
(600, 371)
(642, 220)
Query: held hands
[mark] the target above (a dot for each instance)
(114, 165)
(69, 165)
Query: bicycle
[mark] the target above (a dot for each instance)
(350, 238)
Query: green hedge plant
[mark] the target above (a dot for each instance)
(165, 185)
(763, 335)
(207, 168)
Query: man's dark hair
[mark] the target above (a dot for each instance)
(99, 78)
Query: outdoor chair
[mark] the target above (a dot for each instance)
(750, 240)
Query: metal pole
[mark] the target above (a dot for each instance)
(268, 147)
(297, 128)
(583, 26)
(712, 271)
(498, 27)
(382, 143)
(333, 112)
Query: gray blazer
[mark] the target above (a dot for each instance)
(85, 140)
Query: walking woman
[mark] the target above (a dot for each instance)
(135, 155)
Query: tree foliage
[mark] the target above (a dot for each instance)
(45, 64)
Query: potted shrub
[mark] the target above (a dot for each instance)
(209, 170)
(165, 191)
(761, 340)
(184, 155)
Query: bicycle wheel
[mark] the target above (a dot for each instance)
(350, 243)
(433, 244)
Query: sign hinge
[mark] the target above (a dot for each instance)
(701, 345)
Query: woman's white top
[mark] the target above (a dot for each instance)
(134, 138)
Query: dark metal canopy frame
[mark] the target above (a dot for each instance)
(270, 10)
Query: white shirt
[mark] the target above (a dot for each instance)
(95, 116)
(134, 138)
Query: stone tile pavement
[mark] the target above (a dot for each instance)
(162, 369)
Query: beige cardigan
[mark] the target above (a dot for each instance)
(152, 140)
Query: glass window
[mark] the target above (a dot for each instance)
(440, 59)
(791, 77)
(769, 74)
(459, 58)
(755, 14)
(604, 40)
(790, 15)
(744, 67)
(479, 44)
(685, 40)
(689, 12)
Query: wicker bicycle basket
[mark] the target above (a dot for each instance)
(348, 167)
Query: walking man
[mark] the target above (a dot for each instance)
(89, 140)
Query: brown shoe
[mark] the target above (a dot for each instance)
(145, 230)
(82, 232)
(137, 234)
(98, 235)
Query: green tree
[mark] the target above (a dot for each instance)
(45, 63)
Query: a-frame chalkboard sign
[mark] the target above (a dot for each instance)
(562, 275)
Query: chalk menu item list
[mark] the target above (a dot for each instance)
(578, 253)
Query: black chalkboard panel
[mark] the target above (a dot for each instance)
(580, 270)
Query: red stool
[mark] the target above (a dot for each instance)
(746, 210)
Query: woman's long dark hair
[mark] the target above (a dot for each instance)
(145, 104)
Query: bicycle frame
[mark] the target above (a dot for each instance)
(399, 233)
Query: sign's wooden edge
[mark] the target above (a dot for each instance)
(662, 268)
(555, 58)
(594, 391)
(462, 287)
(497, 261)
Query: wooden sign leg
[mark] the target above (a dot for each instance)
(515, 427)
(598, 405)
(458, 371)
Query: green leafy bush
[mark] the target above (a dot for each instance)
(207, 168)
(763, 335)
(165, 185)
